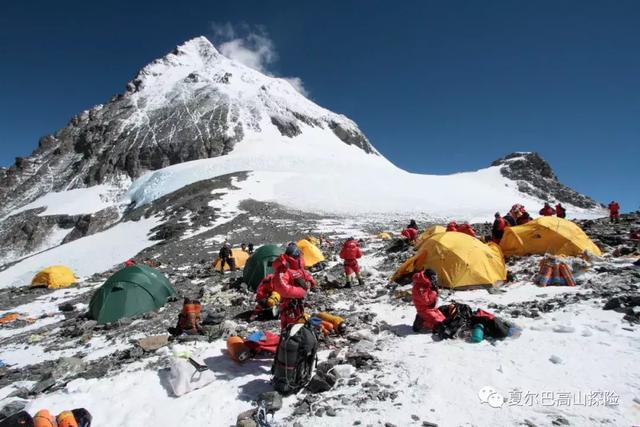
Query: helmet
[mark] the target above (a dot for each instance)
(432, 276)
(292, 250)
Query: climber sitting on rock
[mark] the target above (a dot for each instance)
(497, 231)
(547, 210)
(425, 299)
(267, 300)
(350, 253)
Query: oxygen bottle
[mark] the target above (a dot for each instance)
(337, 321)
(477, 334)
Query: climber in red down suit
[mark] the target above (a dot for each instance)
(350, 253)
(614, 211)
(425, 299)
(292, 286)
(410, 234)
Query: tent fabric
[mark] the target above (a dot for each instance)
(459, 260)
(385, 235)
(548, 234)
(258, 266)
(312, 255)
(422, 237)
(240, 257)
(129, 292)
(54, 277)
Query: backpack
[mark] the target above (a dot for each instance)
(458, 320)
(189, 317)
(295, 358)
(21, 419)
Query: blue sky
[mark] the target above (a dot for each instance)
(438, 87)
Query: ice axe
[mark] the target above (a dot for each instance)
(199, 367)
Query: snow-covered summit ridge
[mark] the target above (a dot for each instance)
(196, 67)
(190, 104)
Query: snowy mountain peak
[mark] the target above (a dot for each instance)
(189, 57)
(190, 104)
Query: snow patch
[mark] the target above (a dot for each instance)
(86, 256)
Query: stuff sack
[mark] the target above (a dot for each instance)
(184, 377)
(295, 358)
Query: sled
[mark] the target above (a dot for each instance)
(242, 349)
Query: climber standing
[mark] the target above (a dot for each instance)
(614, 211)
(226, 257)
(350, 253)
(292, 292)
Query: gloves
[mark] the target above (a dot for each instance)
(273, 300)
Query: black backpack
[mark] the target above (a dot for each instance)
(21, 419)
(295, 358)
(458, 320)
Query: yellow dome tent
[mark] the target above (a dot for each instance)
(459, 260)
(54, 277)
(240, 257)
(312, 255)
(385, 235)
(547, 234)
(422, 237)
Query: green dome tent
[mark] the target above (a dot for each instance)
(131, 291)
(258, 265)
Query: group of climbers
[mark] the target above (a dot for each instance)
(461, 228)
(247, 247)
(227, 258)
(559, 210)
(517, 215)
(284, 291)
(79, 417)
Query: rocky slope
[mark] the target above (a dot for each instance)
(535, 176)
(70, 360)
(193, 117)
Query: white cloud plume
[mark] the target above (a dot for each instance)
(252, 47)
(297, 84)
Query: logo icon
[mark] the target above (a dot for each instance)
(490, 396)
